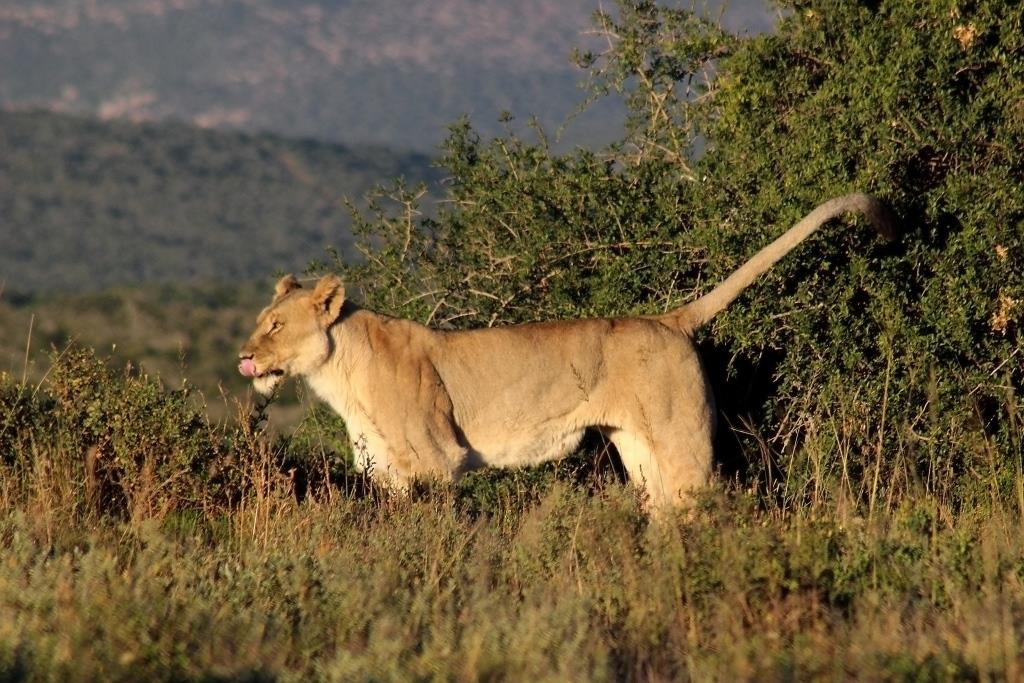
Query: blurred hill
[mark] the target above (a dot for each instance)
(392, 72)
(86, 205)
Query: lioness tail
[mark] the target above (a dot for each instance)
(701, 311)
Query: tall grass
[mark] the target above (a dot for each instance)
(186, 554)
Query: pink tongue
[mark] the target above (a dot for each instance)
(247, 367)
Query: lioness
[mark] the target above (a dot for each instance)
(418, 401)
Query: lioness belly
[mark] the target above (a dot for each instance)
(524, 447)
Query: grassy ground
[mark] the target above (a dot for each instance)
(570, 587)
(140, 542)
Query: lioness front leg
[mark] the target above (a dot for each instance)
(416, 452)
(419, 428)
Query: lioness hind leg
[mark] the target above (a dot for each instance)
(668, 475)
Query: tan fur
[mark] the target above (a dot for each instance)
(418, 401)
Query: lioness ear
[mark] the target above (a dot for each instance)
(285, 285)
(328, 298)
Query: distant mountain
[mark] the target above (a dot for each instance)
(85, 204)
(392, 72)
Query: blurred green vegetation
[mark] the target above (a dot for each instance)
(180, 333)
(87, 205)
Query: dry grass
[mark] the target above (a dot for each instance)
(573, 588)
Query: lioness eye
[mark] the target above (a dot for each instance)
(275, 326)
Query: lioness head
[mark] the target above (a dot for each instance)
(291, 336)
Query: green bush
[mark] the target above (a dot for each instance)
(869, 369)
(122, 438)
